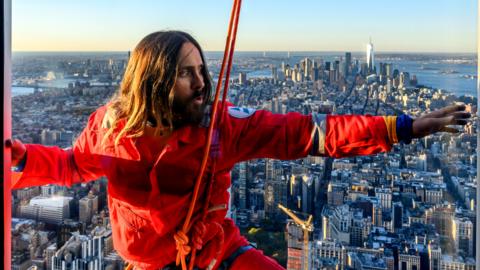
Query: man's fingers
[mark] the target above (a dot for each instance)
(462, 122)
(450, 130)
(461, 115)
(446, 111)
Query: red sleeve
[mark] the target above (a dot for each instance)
(291, 136)
(53, 165)
(263, 134)
(353, 135)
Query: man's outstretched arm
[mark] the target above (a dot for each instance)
(351, 135)
(261, 134)
(36, 165)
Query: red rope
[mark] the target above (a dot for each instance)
(181, 238)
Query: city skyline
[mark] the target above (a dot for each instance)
(426, 26)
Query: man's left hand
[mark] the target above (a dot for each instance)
(440, 121)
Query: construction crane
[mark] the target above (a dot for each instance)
(306, 226)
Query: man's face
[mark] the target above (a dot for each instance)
(188, 103)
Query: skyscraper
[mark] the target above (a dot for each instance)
(88, 206)
(370, 57)
(348, 63)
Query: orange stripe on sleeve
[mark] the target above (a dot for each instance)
(391, 123)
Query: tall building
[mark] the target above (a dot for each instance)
(462, 234)
(348, 63)
(449, 262)
(409, 261)
(295, 245)
(397, 215)
(88, 206)
(434, 256)
(441, 217)
(82, 252)
(242, 78)
(51, 210)
(384, 196)
(377, 215)
(339, 224)
(275, 188)
(370, 57)
(329, 249)
(308, 195)
(335, 194)
(242, 185)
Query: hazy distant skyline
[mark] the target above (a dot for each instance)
(266, 25)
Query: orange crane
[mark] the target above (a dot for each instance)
(306, 226)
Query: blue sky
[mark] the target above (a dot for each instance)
(265, 25)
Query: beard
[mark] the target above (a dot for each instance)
(188, 112)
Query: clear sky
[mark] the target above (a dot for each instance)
(265, 25)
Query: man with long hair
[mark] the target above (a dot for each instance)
(149, 140)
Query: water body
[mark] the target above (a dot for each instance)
(456, 78)
(431, 70)
(18, 91)
(459, 79)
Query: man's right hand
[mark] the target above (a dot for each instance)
(18, 150)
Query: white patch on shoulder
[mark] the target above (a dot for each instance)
(239, 112)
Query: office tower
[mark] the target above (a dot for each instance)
(462, 234)
(404, 79)
(327, 66)
(348, 63)
(81, 252)
(49, 253)
(307, 68)
(308, 195)
(340, 221)
(384, 196)
(377, 215)
(359, 229)
(295, 246)
(335, 194)
(51, 210)
(409, 261)
(441, 217)
(88, 206)
(449, 262)
(242, 78)
(315, 74)
(330, 249)
(370, 57)
(274, 73)
(275, 188)
(382, 69)
(397, 215)
(336, 68)
(242, 185)
(434, 256)
(433, 195)
(66, 228)
(388, 70)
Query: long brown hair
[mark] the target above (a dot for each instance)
(146, 92)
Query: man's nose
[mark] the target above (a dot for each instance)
(198, 82)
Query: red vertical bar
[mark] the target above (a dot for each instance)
(7, 132)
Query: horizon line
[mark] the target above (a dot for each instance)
(254, 51)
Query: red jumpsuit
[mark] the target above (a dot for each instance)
(149, 189)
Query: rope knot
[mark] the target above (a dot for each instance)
(181, 243)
